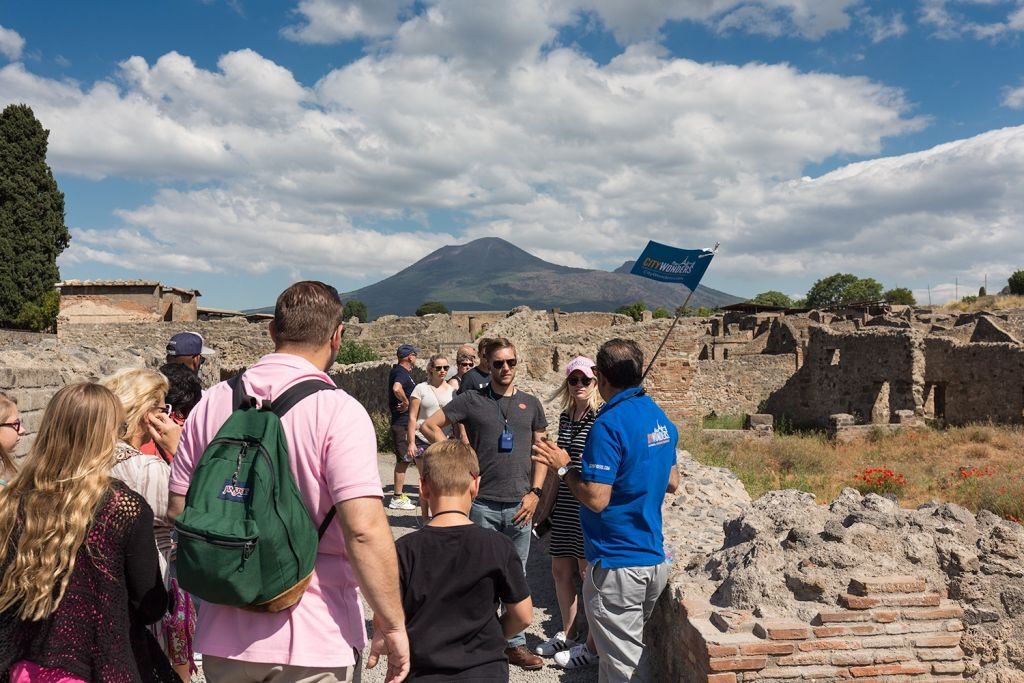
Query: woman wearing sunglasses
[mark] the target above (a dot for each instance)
(426, 399)
(143, 393)
(580, 401)
(11, 431)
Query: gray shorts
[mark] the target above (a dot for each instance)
(618, 603)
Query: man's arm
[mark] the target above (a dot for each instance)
(433, 426)
(403, 401)
(673, 480)
(595, 496)
(371, 552)
(175, 506)
(528, 506)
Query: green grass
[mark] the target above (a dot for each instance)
(724, 421)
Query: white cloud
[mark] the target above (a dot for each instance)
(949, 18)
(881, 28)
(11, 43)
(330, 21)
(1014, 97)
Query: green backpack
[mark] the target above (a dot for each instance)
(245, 538)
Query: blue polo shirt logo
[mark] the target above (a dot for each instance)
(659, 436)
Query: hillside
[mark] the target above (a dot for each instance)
(493, 274)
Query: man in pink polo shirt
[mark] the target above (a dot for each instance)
(333, 452)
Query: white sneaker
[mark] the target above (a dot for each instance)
(575, 657)
(556, 644)
(401, 502)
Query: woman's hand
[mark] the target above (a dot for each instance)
(166, 432)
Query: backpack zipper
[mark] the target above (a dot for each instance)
(247, 546)
(245, 443)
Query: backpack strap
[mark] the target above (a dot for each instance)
(297, 392)
(288, 400)
(239, 399)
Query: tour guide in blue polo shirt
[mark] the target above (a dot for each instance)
(628, 464)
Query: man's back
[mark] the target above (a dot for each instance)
(452, 579)
(332, 453)
(631, 446)
(472, 380)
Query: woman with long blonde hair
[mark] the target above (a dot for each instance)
(79, 576)
(580, 402)
(142, 393)
(11, 431)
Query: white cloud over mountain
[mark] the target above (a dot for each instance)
(479, 112)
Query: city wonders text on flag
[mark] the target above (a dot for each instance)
(669, 264)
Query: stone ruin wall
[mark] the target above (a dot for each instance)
(976, 379)
(784, 589)
(870, 374)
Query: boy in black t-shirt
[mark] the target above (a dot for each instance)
(453, 575)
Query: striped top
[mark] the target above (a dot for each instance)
(566, 534)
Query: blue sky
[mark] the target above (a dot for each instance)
(237, 146)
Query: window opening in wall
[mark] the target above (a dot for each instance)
(833, 356)
(939, 400)
(725, 354)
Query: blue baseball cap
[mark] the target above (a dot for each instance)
(188, 344)
(406, 350)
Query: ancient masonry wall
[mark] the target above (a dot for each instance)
(238, 343)
(869, 374)
(736, 386)
(367, 382)
(976, 380)
(32, 388)
(885, 628)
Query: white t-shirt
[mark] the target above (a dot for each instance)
(431, 401)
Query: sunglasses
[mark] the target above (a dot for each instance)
(466, 363)
(574, 381)
(441, 368)
(166, 408)
(511, 362)
(16, 425)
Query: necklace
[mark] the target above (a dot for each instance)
(448, 512)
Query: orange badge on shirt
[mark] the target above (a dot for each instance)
(522, 406)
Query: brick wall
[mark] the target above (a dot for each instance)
(735, 386)
(891, 628)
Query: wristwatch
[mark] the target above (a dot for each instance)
(537, 491)
(563, 470)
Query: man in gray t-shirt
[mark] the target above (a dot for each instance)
(502, 424)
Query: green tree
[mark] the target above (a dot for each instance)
(842, 288)
(900, 295)
(1016, 283)
(356, 308)
(40, 316)
(634, 310)
(32, 230)
(701, 312)
(352, 351)
(428, 307)
(660, 312)
(772, 298)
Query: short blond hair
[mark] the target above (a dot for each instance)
(450, 467)
(139, 390)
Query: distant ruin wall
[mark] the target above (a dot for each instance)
(368, 382)
(978, 381)
(869, 374)
(736, 386)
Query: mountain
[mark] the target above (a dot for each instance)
(493, 274)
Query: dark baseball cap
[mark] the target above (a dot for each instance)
(405, 350)
(188, 344)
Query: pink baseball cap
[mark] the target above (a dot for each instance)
(582, 364)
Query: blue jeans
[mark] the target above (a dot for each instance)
(489, 514)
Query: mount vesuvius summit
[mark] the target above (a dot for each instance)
(492, 274)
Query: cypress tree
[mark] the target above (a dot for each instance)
(32, 230)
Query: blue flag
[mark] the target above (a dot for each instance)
(668, 264)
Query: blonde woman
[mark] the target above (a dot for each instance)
(142, 393)
(80, 577)
(426, 399)
(580, 402)
(11, 431)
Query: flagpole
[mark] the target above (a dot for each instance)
(679, 313)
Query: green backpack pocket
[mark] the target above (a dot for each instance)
(227, 554)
